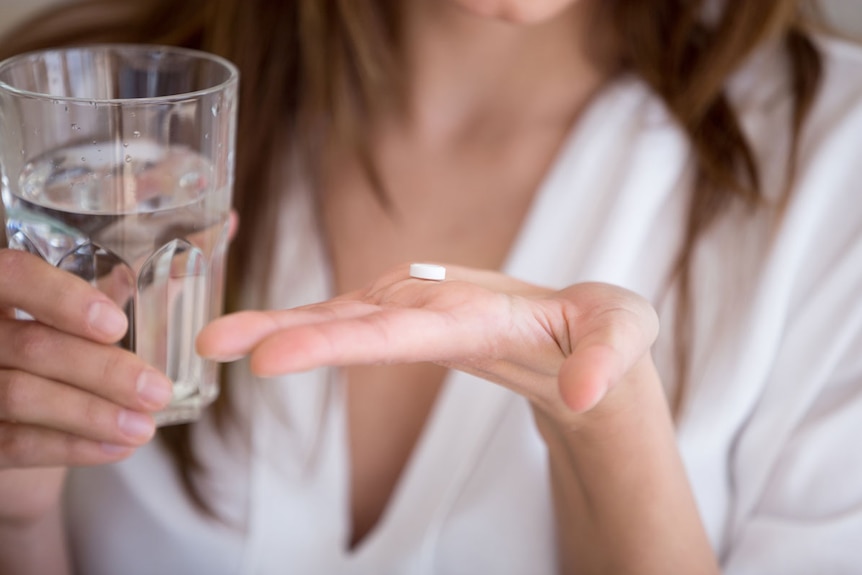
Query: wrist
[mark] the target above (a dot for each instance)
(621, 494)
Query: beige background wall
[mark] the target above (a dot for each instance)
(12, 11)
(846, 14)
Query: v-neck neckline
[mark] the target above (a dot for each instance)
(466, 412)
(418, 501)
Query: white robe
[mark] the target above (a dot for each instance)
(769, 433)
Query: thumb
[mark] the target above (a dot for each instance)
(602, 357)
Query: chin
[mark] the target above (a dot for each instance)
(516, 11)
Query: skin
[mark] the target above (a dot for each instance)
(581, 355)
(462, 162)
(68, 397)
(516, 11)
(468, 80)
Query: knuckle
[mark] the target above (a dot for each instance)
(23, 274)
(93, 414)
(70, 290)
(113, 364)
(12, 262)
(19, 270)
(74, 447)
(29, 341)
(16, 445)
(15, 395)
(117, 374)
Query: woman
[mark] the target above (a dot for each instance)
(622, 164)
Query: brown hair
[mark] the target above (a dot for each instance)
(311, 67)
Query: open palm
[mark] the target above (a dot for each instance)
(516, 334)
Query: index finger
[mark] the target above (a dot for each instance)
(58, 298)
(234, 335)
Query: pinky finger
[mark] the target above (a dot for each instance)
(24, 446)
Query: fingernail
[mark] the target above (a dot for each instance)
(219, 357)
(154, 389)
(136, 424)
(107, 319)
(226, 358)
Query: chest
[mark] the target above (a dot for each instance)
(433, 205)
(460, 205)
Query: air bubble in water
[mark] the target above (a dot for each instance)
(136, 134)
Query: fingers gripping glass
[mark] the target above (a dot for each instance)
(117, 165)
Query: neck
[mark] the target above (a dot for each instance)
(465, 69)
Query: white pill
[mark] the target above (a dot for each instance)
(427, 272)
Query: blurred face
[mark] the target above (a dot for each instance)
(517, 11)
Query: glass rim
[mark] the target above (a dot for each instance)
(230, 67)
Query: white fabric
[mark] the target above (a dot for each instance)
(769, 433)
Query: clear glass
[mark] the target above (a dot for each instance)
(116, 164)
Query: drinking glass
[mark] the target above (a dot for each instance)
(116, 164)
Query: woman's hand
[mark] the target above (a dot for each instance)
(67, 395)
(519, 335)
(580, 355)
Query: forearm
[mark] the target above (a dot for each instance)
(37, 547)
(622, 499)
